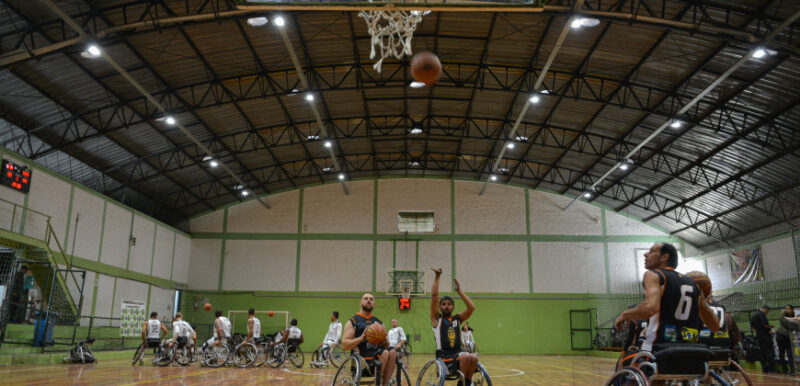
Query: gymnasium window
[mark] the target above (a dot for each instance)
(415, 222)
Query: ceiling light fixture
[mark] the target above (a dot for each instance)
(510, 145)
(310, 97)
(587, 195)
(759, 53)
(493, 177)
(245, 193)
(312, 137)
(624, 166)
(341, 176)
(413, 163)
(326, 170)
(415, 130)
(676, 124)
(213, 163)
(170, 120)
(416, 84)
(279, 21)
(522, 138)
(257, 21)
(328, 144)
(534, 99)
(93, 51)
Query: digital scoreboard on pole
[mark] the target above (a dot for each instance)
(16, 177)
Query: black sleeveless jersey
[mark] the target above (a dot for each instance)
(361, 322)
(447, 334)
(678, 319)
(721, 337)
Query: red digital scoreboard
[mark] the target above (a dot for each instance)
(16, 177)
(405, 303)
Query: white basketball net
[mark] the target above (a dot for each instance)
(391, 31)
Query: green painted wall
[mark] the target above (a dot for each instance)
(529, 324)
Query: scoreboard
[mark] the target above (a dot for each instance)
(405, 303)
(16, 177)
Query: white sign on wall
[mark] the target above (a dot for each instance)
(132, 318)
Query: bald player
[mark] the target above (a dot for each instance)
(355, 338)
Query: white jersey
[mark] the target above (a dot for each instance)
(466, 337)
(395, 336)
(294, 332)
(226, 327)
(334, 332)
(182, 328)
(153, 329)
(256, 328)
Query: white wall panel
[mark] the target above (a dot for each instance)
(779, 259)
(130, 290)
(491, 266)
(548, 218)
(336, 266)
(405, 254)
(162, 261)
(180, 269)
(142, 252)
(413, 194)
(105, 292)
(260, 265)
(50, 196)
(252, 217)
(383, 264)
(719, 271)
(326, 209)
(211, 222)
(624, 261)
(500, 210)
(617, 224)
(568, 268)
(434, 254)
(88, 208)
(162, 301)
(115, 237)
(204, 264)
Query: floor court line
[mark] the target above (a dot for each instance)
(168, 378)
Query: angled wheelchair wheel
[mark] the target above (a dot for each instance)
(296, 358)
(349, 372)
(481, 377)
(183, 355)
(261, 354)
(216, 356)
(276, 357)
(163, 356)
(406, 359)
(336, 355)
(137, 356)
(245, 355)
(628, 376)
(432, 374)
(401, 377)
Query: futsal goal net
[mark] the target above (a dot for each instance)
(269, 324)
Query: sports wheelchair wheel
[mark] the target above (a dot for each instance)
(261, 354)
(244, 355)
(432, 374)
(137, 356)
(336, 355)
(734, 377)
(481, 377)
(276, 356)
(296, 357)
(216, 356)
(628, 376)
(164, 355)
(405, 359)
(349, 372)
(183, 355)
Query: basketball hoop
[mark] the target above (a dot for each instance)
(391, 31)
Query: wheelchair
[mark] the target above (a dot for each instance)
(680, 364)
(182, 352)
(161, 352)
(81, 353)
(323, 356)
(355, 367)
(294, 353)
(436, 372)
(216, 355)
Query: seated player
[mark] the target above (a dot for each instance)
(182, 332)
(331, 338)
(222, 330)
(292, 336)
(396, 336)
(719, 339)
(355, 338)
(152, 331)
(673, 304)
(467, 339)
(253, 327)
(447, 329)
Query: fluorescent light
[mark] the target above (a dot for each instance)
(676, 124)
(587, 195)
(510, 145)
(295, 91)
(328, 144)
(577, 22)
(170, 120)
(759, 53)
(415, 130)
(257, 21)
(522, 138)
(312, 137)
(341, 176)
(309, 97)
(416, 84)
(534, 99)
(493, 177)
(213, 163)
(93, 51)
(279, 21)
(327, 170)
(207, 158)
(245, 193)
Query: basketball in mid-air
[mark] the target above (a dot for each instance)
(376, 334)
(426, 68)
(702, 280)
(207, 306)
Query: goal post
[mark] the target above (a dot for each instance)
(269, 324)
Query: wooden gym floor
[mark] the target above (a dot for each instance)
(504, 369)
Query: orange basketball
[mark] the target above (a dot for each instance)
(702, 280)
(271, 313)
(426, 68)
(376, 334)
(207, 306)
